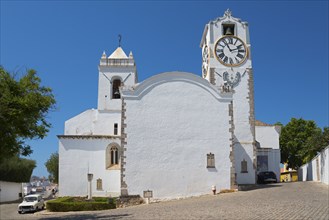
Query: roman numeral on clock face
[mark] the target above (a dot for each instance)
(240, 46)
(240, 55)
(219, 50)
(221, 55)
(222, 44)
(225, 59)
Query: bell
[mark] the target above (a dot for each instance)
(228, 31)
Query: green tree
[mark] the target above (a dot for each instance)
(300, 142)
(24, 104)
(15, 169)
(52, 167)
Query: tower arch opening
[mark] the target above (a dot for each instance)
(115, 89)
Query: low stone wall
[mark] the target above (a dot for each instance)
(130, 200)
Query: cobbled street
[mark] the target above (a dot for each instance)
(300, 200)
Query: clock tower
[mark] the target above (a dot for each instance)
(226, 63)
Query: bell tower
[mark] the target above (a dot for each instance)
(226, 63)
(115, 71)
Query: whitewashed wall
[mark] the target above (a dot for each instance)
(173, 121)
(268, 136)
(77, 157)
(325, 166)
(316, 171)
(9, 191)
(93, 122)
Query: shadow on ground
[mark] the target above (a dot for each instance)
(86, 216)
(258, 186)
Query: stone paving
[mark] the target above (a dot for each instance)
(300, 200)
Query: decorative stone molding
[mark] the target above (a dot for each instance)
(88, 137)
(124, 190)
(226, 88)
(212, 79)
(167, 77)
(252, 115)
(231, 129)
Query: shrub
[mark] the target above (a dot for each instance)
(66, 204)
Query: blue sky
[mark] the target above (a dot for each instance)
(64, 40)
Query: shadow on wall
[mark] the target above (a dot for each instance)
(305, 172)
(244, 165)
(309, 172)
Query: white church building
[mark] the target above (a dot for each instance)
(175, 134)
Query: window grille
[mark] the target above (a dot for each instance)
(99, 184)
(210, 160)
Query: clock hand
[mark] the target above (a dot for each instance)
(228, 47)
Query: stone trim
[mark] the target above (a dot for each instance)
(212, 79)
(124, 190)
(252, 116)
(87, 137)
(233, 182)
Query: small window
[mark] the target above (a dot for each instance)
(99, 185)
(115, 128)
(210, 160)
(228, 29)
(244, 167)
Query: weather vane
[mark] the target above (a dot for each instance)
(119, 40)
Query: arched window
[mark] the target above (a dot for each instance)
(115, 89)
(112, 156)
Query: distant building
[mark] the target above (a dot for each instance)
(176, 134)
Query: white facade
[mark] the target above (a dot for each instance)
(173, 121)
(175, 133)
(10, 191)
(80, 155)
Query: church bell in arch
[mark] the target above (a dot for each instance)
(228, 31)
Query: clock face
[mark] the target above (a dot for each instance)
(231, 51)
